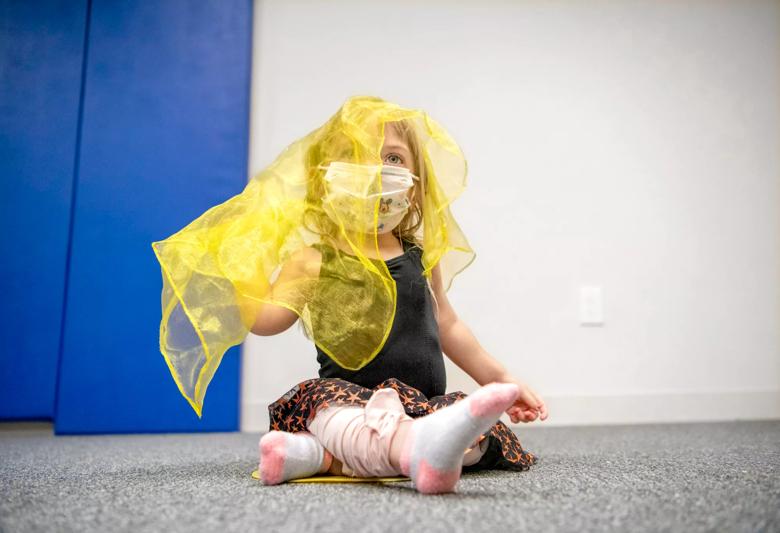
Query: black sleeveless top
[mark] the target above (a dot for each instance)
(412, 352)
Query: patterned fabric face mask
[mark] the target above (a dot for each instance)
(352, 195)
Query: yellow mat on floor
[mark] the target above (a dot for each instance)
(340, 479)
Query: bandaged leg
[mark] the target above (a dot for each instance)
(360, 437)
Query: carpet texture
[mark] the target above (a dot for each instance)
(674, 477)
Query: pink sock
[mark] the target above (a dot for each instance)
(433, 452)
(285, 456)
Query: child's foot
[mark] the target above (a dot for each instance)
(433, 451)
(286, 456)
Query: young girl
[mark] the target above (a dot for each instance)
(350, 233)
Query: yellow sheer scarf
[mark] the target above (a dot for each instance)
(221, 270)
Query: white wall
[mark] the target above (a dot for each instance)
(627, 145)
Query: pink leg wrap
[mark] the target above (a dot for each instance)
(360, 437)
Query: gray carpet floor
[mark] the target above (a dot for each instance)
(675, 477)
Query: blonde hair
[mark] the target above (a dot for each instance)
(409, 226)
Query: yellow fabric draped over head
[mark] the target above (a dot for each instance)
(263, 246)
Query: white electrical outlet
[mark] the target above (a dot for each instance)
(591, 306)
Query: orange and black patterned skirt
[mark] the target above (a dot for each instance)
(297, 407)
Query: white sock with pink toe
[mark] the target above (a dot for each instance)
(433, 452)
(285, 456)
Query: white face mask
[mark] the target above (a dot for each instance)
(350, 201)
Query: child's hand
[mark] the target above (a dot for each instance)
(528, 406)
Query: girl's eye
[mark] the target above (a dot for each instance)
(394, 159)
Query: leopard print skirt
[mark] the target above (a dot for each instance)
(297, 407)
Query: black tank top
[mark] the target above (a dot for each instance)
(412, 352)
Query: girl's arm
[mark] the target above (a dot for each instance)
(273, 319)
(462, 347)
